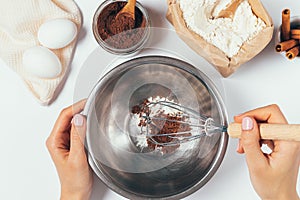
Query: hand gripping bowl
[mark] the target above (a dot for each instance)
(115, 153)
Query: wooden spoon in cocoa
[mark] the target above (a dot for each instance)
(127, 15)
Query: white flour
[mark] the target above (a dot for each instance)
(225, 33)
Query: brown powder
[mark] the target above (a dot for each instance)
(171, 124)
(118, 32)
(121, 24)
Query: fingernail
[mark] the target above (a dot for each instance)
(247, 124)
(78, 120)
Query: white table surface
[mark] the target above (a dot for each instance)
(26, 169)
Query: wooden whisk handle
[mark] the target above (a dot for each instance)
(269, 131)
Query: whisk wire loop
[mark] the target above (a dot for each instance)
(204, 126)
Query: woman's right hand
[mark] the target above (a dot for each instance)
(273, 176)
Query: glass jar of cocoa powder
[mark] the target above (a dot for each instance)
(111, 37)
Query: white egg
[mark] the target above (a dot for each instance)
(41, 62)
(57, 33)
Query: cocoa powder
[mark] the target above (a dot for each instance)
(171, 125)
(122, 32)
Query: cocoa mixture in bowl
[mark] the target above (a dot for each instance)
(152, 120)
(122, 35)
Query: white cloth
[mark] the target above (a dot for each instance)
(19, 24)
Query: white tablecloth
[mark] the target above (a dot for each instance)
(27, 171)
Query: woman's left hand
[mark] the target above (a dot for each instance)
(66, 147)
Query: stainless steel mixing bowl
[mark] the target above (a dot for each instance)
(114, 153)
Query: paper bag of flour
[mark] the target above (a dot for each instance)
(223, 63)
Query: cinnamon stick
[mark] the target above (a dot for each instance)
(282, 46)
(292, 53)
(295, 31)
(285, 26)
(295, 36)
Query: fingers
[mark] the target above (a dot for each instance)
(58, 142)
(271, 114)
(64, 119)
(240, 148)
(269, 143)
(250, 141)
(78, 133)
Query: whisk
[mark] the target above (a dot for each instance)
(206, 126)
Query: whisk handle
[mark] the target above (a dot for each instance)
(270, 131)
